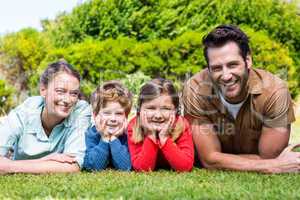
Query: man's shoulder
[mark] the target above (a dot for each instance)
(199, 83)
(268, 80)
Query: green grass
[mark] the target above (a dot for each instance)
(199, 184)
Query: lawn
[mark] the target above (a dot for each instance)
(199, 184)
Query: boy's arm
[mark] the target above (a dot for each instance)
(119, 152)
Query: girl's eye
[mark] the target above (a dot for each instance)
(119, 113)
(59, 91)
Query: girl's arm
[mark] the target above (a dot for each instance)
(180, 154)
(120, 154)
(143, 154)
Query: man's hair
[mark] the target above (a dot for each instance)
(223, 34)
(111, 91)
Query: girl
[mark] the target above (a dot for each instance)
(46, 132)
(158, 136)
(106, 141)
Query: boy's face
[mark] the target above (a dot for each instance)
(111, 118)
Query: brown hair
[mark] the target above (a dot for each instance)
(55, 68)
(111, 91)
(226, 33)
(149, 91)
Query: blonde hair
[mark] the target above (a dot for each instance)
(111, 91)
(150, 91)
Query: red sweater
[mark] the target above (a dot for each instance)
(148, 155)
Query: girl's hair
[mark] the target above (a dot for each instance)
(111, 91)
(55, 68)
(151, 90)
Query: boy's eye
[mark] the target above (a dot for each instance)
(119, 113)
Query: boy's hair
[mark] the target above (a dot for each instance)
(223, 34)
(111, 91)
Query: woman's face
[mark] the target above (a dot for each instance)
(60, 95)
(158, 111)
(113, 117)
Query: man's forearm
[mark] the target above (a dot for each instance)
(39, 167)
(243, 163)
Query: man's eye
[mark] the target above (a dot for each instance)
(216, 68)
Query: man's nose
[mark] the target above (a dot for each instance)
(226, 74)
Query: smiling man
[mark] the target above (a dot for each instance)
(240, 116)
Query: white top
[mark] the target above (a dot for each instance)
(233, 109)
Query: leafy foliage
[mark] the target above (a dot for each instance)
(6, 97)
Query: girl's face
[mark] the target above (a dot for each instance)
(158, 111)
(60, 95)
(113, 117)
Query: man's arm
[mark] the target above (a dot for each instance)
(37, 166)
(210, 153)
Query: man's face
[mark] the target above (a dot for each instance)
(229, 71)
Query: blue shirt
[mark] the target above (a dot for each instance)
(22, 131)
(101, 154)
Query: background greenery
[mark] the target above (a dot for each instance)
(112, 39)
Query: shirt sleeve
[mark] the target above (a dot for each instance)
(196, 105)
(75, 142)
(10, 131)
(180, 154)
(120, 154)
(279, 110)
(97, 152)
(143, 154)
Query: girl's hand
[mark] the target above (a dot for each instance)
(163, 134)
(149, 129)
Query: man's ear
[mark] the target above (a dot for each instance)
(249, 61)
(43, 90)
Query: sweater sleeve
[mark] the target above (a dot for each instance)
(143, 154)
(97, 151)
(120, 154)
(180, 154)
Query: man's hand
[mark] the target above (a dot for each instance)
(289, 161)
(59, 157)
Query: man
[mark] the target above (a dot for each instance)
(240, 116)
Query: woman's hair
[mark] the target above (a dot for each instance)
(149, 91)
(111, 91)
(55, 68)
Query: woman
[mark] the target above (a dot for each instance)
(46, 132)
(158, 137)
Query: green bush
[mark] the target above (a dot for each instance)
(22, 53)
(6, 97)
